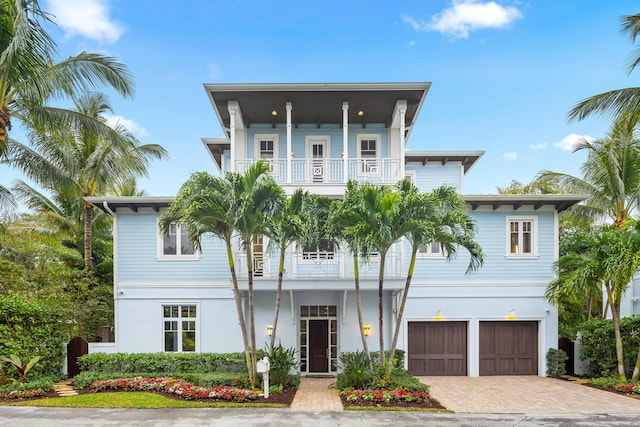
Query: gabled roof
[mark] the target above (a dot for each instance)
(318, 103)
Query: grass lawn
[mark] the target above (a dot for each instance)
(132, 400)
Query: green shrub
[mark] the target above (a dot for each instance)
(355, 370)
(282, 363)
(599, 348)
(29, 329)
(556, 362)
(237, 379)
(606, 381)
(44, 383)
(163, 362)
(398, 358)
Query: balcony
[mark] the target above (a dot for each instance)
(330, 171)
(310, 265)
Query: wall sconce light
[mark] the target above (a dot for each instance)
(511, 315)
(366, 329)
(269, 330)
(293, 155)
(274, 113)
(438, 315)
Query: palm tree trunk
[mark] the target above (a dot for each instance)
(616, 330)
(636, 369)
(589, 304)
(396, 333)
(238, 301)
(278, 298)
(252, 319)
(380, 306)
(88, 222)
(356, 278)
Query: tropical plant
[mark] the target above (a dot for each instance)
(619, 101)
(356, 370)
(76, 162)
(282, 361)
(22, 367)
(440, 217)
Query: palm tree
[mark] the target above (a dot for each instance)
(619, 101)
(256, 197)
(77, 162)
(437, 217)
(285, 228)
(203, 206)
(611, 176)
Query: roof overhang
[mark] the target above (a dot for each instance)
(467, 158)
(216, 148)
(316, 103)
(560, 202)
(111, 204)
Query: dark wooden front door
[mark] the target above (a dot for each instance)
(318, 341)
(508, 348)
(77, 347)
(438, 348)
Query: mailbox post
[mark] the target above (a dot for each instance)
(263, 367)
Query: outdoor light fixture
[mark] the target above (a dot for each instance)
(269, 330)
(511, 315)
(360, 113)
(366, 328)
(274, 113)
(438, 315)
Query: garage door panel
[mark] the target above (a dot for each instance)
(508, 348)
(437, 348)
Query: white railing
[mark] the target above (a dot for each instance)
(331, 171)
(318, 265)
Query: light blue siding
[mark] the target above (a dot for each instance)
(431, 176)
(137, 255)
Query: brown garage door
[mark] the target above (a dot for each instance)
(438, 348)
(508, 348)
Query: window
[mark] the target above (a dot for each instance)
(324, 250)
(176, 244)
(522, 236)
(266, 146)
(179, 327)
(432, 250)
(369, 152)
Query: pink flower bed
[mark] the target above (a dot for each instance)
(629, 388)
(385, 396)
(170, 385)
(23, 394)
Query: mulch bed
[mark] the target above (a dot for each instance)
(431, 404)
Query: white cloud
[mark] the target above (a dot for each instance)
(569, 142)
(133, 127)
(510, 156)
(412, 43)
(467, 15)
(214, 71)
(539, 146)
(86, 18)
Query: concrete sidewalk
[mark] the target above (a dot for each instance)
(526, 395)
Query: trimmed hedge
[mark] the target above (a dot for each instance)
(161, 363)
(28, 329)
(599, 345)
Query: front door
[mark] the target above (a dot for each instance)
(318, 165)
(318, 345)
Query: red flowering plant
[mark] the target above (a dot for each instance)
(384, 395)
(22, 394)
(629, 388)
(185, 390)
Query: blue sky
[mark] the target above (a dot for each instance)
(504, 73)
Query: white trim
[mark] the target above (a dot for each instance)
(411, 174)
(162, 320)
(160, 255)
(534, 236)
(432, 283)
(266, 137)
(429, 254)
(182, 285)
(369, 136)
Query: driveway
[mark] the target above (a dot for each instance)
(526, 395)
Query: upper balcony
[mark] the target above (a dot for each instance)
(329, 171)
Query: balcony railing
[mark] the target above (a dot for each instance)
(330, 171)
(308, 265)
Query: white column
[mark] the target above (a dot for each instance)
(232, 137)
(403, 112)
(345, 141)
(289, 150)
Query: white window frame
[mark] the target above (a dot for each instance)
(178, 256)
(411, 176)
(534, 236)
(361, 160)
(266, 137)
(179, 321)
(428, 253)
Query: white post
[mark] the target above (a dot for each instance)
(403, 112)
(232, 137)
(289, 152)
(345, 141)
(263, 367)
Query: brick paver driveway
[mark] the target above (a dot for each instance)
(526, 395)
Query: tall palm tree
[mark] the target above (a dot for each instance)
(256, 198)
(619, 101)
(203, 206)
(440, 216)
(76, 160)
